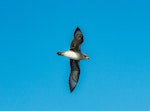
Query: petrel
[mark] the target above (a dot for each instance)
(75, 56)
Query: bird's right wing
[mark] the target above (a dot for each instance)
(74, 74)
(77, 41)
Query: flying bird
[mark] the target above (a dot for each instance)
(75, 56)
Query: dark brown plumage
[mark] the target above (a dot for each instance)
(75, 56)
(74, 64)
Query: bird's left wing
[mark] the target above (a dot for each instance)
(74, 74)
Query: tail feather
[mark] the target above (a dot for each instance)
(60, 53)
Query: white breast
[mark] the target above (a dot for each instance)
(72, 55)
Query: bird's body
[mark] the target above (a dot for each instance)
(72, 55)
(75, 56)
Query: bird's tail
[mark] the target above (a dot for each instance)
(60, 53)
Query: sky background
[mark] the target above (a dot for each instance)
(116, 37)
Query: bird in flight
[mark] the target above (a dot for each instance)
(75, 56)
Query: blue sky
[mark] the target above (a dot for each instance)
(116, 37)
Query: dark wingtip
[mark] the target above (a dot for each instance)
(71, 90)
(77, 28)
(71, 85)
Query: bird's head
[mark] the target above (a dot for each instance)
(85, 56)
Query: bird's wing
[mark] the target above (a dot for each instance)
(74, 75)
(77, 41)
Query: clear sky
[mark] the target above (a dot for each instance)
(116, 37)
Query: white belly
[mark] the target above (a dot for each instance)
(72, 55)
